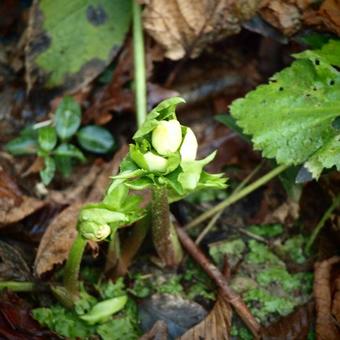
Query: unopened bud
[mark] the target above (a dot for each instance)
(167, 137)
(189, 146)
(155, 163)
(93, 231)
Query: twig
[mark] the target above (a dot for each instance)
(217, 216)
(234, 299)
(139, 63)
(16, 286)
(322, 222)
(237, 196)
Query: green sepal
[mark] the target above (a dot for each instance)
(165, 109)
(97, 212)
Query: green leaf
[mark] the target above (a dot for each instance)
(95, 139)
(23, 145)
(291, 118)
(103, 310)
(47, 138)
(48, 172)
(163, 110)
(72, 42)
(64, 165)
(67, 118)
(69, 151)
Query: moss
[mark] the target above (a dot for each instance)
(293, 248)
(260, 254)
(266, 230)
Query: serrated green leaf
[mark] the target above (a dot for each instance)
(23, 145)
(48, 172)
(291, 118)
(71, 42)
(95, 139)
(69, 151)
(47, 138)
(67, 118)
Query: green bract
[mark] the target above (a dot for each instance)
(164, 154)
(94, 231)
(297, 125)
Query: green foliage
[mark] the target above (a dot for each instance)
(290, 119)
(77, 40)
(92, 317)
(60, 157)
(67, 118)
(260, 254)
(266, 230)
(294, 248)
(95, 139)
(233, 249)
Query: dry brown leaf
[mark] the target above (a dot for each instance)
(326, 17)
(326, 328)
(336, 300)
(14, 206)
(58, 238)
(185, 27)
(282, 15)
(216, 325)
(294, 326)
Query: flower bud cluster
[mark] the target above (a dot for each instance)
(168, 138)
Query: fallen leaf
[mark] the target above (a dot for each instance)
(184, 27)
(54, 54)
(14, 206)
(294, 326)
(216, 325)
(336, 300)
(16, 322)
(326, 328)
(283, 15)
(57, 240)
(159, 331)
(330, 15)
(13, 266)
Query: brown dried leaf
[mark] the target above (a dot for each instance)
(216, 325)
(336, 300)
(14, 206)
(185, 27)
(57, 240)
(282, 15)
(327, 17)
(294, 326)
(326, 328)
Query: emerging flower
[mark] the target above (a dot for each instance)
(93, 231)
(189, 146)
(167, 137)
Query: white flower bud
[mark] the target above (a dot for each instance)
(167, 137)
(155, 162)
(189, 146)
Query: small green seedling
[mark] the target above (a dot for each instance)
(52, 140)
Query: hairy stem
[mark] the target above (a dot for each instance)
(237, 196)
(17, 286)
(139, 63)
(163, 231)
(321, 223)
(72, 267)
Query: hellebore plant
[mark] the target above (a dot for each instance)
(163, 159)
